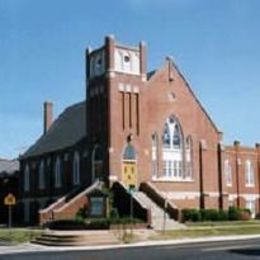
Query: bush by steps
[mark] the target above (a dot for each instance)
(232, 213)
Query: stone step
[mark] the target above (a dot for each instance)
(157, 214)
(83, 238)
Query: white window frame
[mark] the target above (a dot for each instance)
(228, 173)
(249, 174)
(173, 155)
(250, 204)
(188, 158)
(154, 156)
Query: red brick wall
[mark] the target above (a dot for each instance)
(105, 126)
(69, 210)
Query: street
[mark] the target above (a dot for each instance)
(244, 249)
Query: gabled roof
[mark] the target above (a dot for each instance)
(197, 100)
(154, 72)
(150, 74)
(8, 166)
(66, 130)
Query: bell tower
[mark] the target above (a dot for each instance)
(116, 75)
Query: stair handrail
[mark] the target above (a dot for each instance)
(154, 194)
(57, 201)
(95, 185)
(133, 194)
(140, 204)
(52, 205)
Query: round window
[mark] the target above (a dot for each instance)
(126, 58)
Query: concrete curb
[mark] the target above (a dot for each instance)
(30, 248)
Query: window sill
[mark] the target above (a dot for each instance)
(172, 180)
(250, 185)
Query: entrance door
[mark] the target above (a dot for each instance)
(129, 174)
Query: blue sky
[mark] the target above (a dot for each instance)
(215, 43)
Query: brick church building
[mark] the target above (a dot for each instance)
(135, 127)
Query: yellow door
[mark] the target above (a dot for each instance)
(129, 174)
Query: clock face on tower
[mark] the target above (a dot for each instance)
(97, 64)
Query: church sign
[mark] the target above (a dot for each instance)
(98, 204)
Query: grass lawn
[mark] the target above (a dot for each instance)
(203, 231)
(223, 223)
(18, 235)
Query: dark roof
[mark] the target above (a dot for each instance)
(66, 131)
(150, 74)
(8, 166)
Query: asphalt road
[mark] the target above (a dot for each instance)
(246, 249)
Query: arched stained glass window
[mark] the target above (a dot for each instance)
(97, 163)
(166, 136)
(176, 137)
(41, 176)
(188, 158)
(27, 178)
(76, 168)
(58, 173)
(129, 153)
(173, 150)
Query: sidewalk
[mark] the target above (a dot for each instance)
(28, 247)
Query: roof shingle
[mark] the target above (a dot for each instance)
(66, 130)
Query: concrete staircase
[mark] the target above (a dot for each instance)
(157, 214)
(76, 238)
(68, 205)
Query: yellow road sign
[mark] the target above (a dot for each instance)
(10, 200)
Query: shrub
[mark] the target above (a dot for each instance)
(211, 215)
(195, 215)
(114, 213)
(191, 215)
(125, 221)
(234, 213)
(97, 224)
(245, 214)
(248, 211)
(81, 214)
(66, 225)
(223, 215)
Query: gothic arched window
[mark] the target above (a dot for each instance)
(129, 153)
(97, 163)
(41, 176)
(188, 158)
(27, 178)
(57, 173)
(173, 166)
(176, 137)
(166, 136)
(76, 168)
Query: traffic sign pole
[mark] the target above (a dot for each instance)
(10, 201)
(9, 216)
